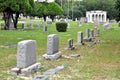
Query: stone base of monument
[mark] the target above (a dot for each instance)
(71, 48)
(54, 56)
(80, 43)
(25, 71)
(87, 39)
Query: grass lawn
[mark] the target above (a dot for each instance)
(99, 62)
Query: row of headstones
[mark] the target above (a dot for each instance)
(26, 53)
(24, 25)
(90, 36)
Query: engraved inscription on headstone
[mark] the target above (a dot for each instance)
(26, 58)
(26, 54)
(52, 47)
(52, 44)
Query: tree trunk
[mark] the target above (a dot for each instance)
(15, 19)
(44, 16)
(52, 17)
(7, 20)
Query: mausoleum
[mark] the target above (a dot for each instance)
(101, 16)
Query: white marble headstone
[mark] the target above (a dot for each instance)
(52, 44)
(26, 54)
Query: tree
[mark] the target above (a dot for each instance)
(117, 6)
(12, 8)
(48, 9)
(54, 9)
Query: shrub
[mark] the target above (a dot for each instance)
(61, 26)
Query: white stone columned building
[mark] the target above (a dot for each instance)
(101, 16)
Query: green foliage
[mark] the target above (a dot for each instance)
(16, 5)
(101, 61)
(10, 7)
(80, 7)
(61, 26)
(117, 6)
(54, 9)
(47, 9)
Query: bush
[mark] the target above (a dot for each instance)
(61, 26)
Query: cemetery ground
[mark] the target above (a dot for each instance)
(99, 62)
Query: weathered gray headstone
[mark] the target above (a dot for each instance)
(31, 25)
(26, 54)
(79, 24)
(70, 44)
(11, 26)
(87, 37)
(92, 34)
(49, 72)
(52, 47)
(24, 26)
(106, 26)
(80, 38)
(45, 28)
(26, 58)
(68, 25)
(119, 24)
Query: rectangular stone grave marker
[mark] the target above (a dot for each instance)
(26, 54)
(80, 38)
(45, 28)
(68, 25)
(11, 27)
(92, 34)
(31, 25)
(24, 26)
(52, 47)
(70, 44)
(87, 37)
(79, 24)
(26, 58)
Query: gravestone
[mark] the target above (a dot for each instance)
(119, 24)
(26, 58)
(68, 25)
(106, 26)
(31, 25)
(11, 26)
(79, 24)
(92, 34)
(70, 44)
(24, 26)
(38, 26)
(53, 52)
(80, 38)
(45, 28)
(87, 37)
(96, 24)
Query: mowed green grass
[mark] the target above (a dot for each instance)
(99, 62)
